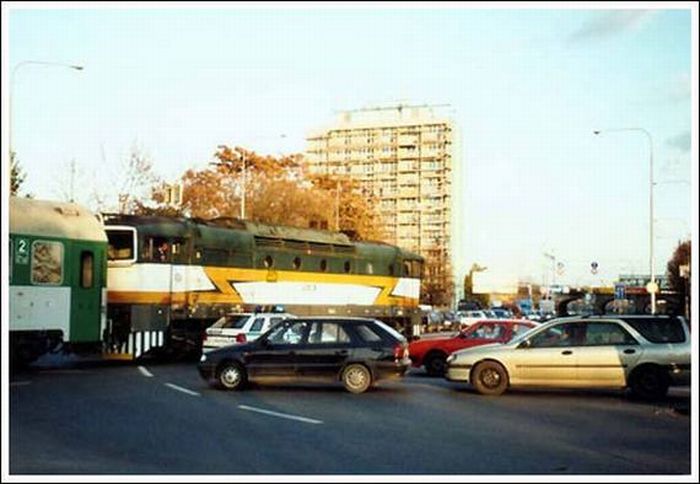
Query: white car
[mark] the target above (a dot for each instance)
(645, 353)
(467, 318)
(240, 328)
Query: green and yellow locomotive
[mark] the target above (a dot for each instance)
(169, 278)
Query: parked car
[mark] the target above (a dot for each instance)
(432, 353)
(236, 328)
(643, 353)
(502, 313)
(356, 351)
(467, 318)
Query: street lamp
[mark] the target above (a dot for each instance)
(652, 286)
(12, 83)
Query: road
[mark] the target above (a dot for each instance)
(154, 418)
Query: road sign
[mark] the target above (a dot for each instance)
(619, 291)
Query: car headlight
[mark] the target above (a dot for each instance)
(451, 358)
(203, 359)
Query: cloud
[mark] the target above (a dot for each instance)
(679, 89)
(680, 142)
(610, 23)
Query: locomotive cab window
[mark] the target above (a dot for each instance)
(121, 245)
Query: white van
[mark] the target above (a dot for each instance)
(240, 328)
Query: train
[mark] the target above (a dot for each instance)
(159, 281)
(57, 278)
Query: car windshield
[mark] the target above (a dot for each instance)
(236, 321)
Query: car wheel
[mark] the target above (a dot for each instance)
(232, 376)
(490, 378)
(435, 364)
(649, 383)
(356, 378)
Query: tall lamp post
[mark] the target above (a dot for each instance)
(12, 83)
(652, 287)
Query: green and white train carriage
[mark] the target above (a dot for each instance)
(58, 274)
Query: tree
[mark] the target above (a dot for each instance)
(17, 175)
(137, 180)
(679, 280)
(278, 191)
(352, 207)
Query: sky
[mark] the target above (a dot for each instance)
(526, 86)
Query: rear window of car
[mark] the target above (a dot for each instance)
(659, 330)
(367, 334)
(236, 322)
(395, 334)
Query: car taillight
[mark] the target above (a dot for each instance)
(240, 338)
(400, 351)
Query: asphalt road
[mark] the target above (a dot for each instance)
(163, 419)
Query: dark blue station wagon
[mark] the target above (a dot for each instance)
(355, 351)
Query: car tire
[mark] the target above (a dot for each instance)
(231, 376)
(356, 378)
(436, 364)
(649, 383)
(490, 378)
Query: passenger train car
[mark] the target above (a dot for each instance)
(58, 275)
(170, 278)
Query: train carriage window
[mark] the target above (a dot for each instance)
(86, 269)
(47, 262)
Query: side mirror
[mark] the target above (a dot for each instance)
(525, 344)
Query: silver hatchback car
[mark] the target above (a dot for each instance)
(644, 353)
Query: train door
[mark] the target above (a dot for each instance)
(86, 294)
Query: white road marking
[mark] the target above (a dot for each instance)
(281, 415)
(180, 389)
(145, 372)
(19, 383)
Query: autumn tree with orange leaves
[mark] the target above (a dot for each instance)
(279, 191)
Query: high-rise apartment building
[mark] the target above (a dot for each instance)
(406, 157)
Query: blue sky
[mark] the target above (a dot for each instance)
(526, 88)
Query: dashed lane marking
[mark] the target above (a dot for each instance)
(281, 415)
(145, 372)
(19, 383)
(180, 389)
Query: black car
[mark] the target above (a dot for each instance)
(356, 351)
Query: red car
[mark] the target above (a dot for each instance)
(432, 352)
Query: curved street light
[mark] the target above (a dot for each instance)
(652, 284)
(12, 83)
